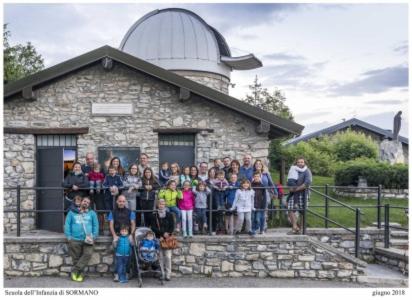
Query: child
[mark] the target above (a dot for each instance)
(133, 183)
(219, 186)
(164, 174)
(111, 183)
(201, 193)
(186, 205)
(244, 205)
(175, 171)
(123, 252)
(260, 203)
(75, 206)
(194, 176)
(230, 198)
(149, 247)
(185, 175)
(96, 177)
(171, 195)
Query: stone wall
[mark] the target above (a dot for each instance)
(19, 169)
(214, 81)
(372, 193)
(393, 258)
(215, 256)
(345, 241)
(67, 103)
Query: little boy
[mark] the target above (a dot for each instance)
(148, 247)
(123, 252)
(111, 183)
(230, 198)
(260, 204)
(75, 206)
(164, 174)
(219, 186)
(96, 177)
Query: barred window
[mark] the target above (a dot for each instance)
(53, 140)
(176, 140)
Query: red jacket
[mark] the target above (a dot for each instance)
(95, 176)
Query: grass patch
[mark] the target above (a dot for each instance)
(343, 215)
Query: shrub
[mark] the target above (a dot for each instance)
(319, 163)
(375, 173)
(351, 145)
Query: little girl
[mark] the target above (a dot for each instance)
(244, 204)
(186, 205)
(96, 178)
(170, 195)
(185, 175)
(164, 174)
(201, 193)
(133, 182)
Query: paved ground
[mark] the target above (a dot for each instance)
(186, 282)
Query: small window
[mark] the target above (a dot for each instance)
(176, 140)
(67, 140)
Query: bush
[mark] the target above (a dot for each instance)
(319, 163)
(350, 145)
(375, 173)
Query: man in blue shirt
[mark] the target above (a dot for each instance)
(81, 229)
(246, 171)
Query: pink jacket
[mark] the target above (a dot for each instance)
(188, 201)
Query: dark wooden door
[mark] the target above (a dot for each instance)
(50, 174)
(178, 148)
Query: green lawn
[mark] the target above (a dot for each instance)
(344, 215)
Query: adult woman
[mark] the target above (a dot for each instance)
(299, 180)
(194, 175)
(163, 225)
(234, 168)
(211, 175)
(267, 182)
(175, 173)
(75, 181)
(133, 183)
(115, 162)
(150, 185)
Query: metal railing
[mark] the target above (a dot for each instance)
(326, 196)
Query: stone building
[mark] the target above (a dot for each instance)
(168, 100)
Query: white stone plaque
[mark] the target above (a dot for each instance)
(112, 109)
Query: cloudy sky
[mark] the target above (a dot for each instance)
(332, 62)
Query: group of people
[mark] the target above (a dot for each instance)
(233, 196)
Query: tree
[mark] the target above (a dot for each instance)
(19, 60)
(272, 102)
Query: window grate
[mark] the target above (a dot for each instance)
(56, 140)
(176, 140)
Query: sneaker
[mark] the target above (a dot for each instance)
(116, 278)
(91, 192)
(184, 235)
(80, 278)
(74, 276)
(98, 191)
(261, 232)
(167, 278)
(252, 233)
(213, 232)
(124, 281)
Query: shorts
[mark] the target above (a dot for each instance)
(297, 201)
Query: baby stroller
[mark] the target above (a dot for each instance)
(147, 261)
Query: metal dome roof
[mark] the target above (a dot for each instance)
(178, 39)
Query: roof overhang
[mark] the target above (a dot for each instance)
(278, 126)
(246, 62)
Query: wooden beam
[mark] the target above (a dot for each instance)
(22, 130)
(184, 94)
(28, 93)
(182, 130)
(263, 127)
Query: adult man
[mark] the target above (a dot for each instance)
(203, 171)
(226, 166)
(120, 216)
(81, 229)
(144, 163)
(246, 171)
(88, 166)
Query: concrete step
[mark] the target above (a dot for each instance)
(390, 224)
(382, 275)
(401, 235)
(395, 243)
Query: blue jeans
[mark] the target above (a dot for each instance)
(121, 269)
(219, 198)
(258, 220)
(201, 217)
(176, 211)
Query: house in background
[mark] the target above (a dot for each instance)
(376, 133)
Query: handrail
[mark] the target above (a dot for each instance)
(330, 220)
(333, 199)
(347, 187)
